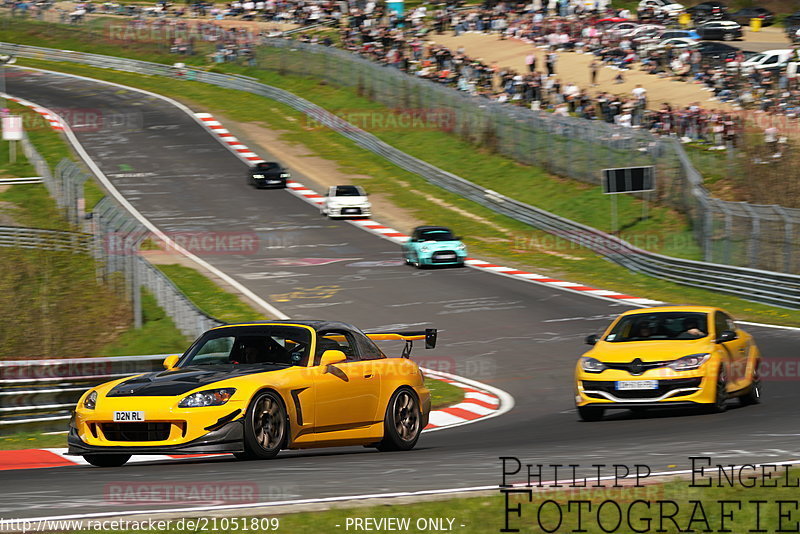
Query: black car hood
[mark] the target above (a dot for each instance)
(271, 173)
(179, 381)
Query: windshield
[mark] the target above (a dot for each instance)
(442, 234)
(250, 345)
(268, 166)
(349, 191)
(659, 326)
(756, 58)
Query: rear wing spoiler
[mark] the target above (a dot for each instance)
(429, 335)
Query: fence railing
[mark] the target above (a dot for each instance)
(41, 394)
(619, 147)
(38, 238)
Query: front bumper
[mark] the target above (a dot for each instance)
(270, 183)
(689, 388)
(227, 438)
(443, 257)
(349, 211)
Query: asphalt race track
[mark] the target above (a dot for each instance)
(520, 337)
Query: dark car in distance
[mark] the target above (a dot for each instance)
(707, 11)
(725, 30)
(744, 15)
(718, 53)
(268, 174)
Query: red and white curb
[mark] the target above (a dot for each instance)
(53, 119)
(314, 198)
(227, 138)
(480, 402)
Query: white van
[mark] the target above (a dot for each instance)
(771, 59)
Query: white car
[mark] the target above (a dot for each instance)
(663, 6)
(769, 60)
(644, 31)
(674, 43)
(622, 28)
(346, 201)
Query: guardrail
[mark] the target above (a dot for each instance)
(41, 394)
(19, 181)
(758, 285)
(15, 236)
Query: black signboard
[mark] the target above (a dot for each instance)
(628, 180)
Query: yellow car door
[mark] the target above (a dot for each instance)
(734, 352)
(346, 394)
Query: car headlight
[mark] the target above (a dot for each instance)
(425, 248)
(461, 246)
(284, 175)
(690, 362)
(591, 365)
(258, 176)
(211, 397)
(90, 401)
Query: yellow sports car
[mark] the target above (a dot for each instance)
(667, 356)
(254, 389)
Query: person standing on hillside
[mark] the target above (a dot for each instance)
(594, 68)
(550, 63)
(530, 61)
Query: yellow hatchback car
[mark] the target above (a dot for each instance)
(669, 356)
(254, 389)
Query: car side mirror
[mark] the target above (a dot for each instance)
(591, 340)
(727, 335)
(171, 361)
(330, 357)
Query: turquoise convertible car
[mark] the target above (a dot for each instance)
(434, 245)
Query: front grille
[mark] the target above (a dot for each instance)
(136, 431)
(636, 367)
(444, 256)
(664, 387)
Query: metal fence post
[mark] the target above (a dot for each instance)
(755, 234)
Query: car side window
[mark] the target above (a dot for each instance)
(731, 324)
(720, 324)
(335, 340)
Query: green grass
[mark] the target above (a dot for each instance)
(21, 168)
(443, 394)
(209, 297)
(158, 334)
(31, 205)
(32, 440)
(493, 236)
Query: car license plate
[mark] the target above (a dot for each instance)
(447, 256)
(627, 385)
(273, 181)
(128, 416)
(350, 210)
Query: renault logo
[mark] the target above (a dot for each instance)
(636, 367)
